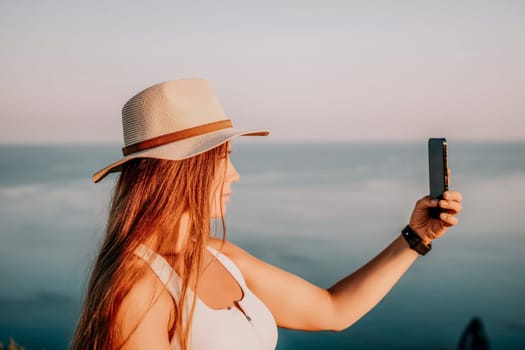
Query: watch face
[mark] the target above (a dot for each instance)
(415, 242)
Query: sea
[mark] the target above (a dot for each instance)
(318, 210)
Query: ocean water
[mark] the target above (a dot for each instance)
(317, 210)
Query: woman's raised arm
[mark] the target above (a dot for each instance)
(298, 304)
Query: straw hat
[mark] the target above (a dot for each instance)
(174, 120)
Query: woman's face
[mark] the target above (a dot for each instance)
(222, 185)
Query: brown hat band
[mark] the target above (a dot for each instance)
(177, 136)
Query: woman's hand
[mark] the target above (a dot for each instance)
(429, 228)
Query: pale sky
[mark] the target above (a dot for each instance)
(307, 70)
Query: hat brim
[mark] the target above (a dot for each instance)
(180, 149)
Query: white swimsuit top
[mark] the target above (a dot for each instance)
(219, 329)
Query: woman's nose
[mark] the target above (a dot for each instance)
(233, 175)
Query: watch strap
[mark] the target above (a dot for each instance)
(414, 241)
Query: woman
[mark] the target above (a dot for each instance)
(159, 251)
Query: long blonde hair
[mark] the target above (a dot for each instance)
(149, 199)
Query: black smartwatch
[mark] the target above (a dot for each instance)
(414, 241)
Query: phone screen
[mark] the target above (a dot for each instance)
(437, 161)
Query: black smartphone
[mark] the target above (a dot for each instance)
(438, 170)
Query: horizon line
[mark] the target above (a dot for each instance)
(282, 142)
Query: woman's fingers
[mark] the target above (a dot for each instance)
(452, 206)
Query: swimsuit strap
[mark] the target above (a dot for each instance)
(171, 279)
(229, 265)
(162, 269)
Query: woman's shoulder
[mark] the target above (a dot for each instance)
(147, 308)
(231, 250)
